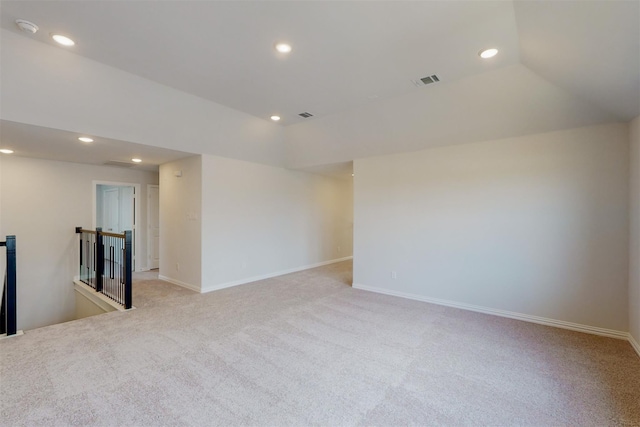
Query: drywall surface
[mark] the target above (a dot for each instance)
(42, 203)
(522, 103)
(634, 246)
(77, 94)
(89, 304)
(3, 253)
(345, 215)
(536, 225)
(260, 220)
(180, 221)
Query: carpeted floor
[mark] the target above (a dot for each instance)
(307, 349)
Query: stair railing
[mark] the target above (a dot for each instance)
(8, 311)
(105, 263)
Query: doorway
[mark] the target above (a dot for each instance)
(115, 210)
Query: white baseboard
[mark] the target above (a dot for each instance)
(502, 313)
(270, 275)
(634, 344)
(179, 283)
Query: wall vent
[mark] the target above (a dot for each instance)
(425, 80)
(119, 164)
(305, 115)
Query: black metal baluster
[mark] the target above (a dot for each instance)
(112, 256)
(99, 259)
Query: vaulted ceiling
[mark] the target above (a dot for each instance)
(560, 64)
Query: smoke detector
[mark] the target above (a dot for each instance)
(26, 26)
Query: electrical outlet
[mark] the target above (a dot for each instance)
(394, 274)
(339, 249)
(177, 266)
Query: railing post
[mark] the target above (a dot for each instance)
(11, 286)
(128, 294)
(99, 259)
(79, 231)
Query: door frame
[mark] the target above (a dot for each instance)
(149, 234)
(136, 203)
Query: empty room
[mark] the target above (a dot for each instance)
(320, 213)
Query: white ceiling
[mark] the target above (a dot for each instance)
(341, 170)
(590, 48)
(561, 63)
(53, 144)
(343, 52)
(509, 102)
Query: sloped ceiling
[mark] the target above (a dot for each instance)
(589, 48)
(561, 64)
(509, 102)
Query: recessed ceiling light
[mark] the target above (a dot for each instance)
(6, 151)
(275, 118)
(63, 40)
(85, 139)
(488, 53)
(136, 160)
(283, 47)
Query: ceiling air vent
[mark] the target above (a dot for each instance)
(305, 115)
(425, 80)
(118, 164)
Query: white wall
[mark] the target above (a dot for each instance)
(180, 222)
(260, 220)
(42, 203)
(345, 215)
(536, 225)
(2, 235)
(78, 94)
(1, 228)
(634, 247)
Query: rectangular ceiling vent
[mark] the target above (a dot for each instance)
(425, 80)
(305, 115)
(118, 164)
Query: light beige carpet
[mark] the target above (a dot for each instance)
(307, 349)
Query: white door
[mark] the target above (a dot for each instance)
(153, 221)
(118, 215)
(127, 218)
(111, 210)
(126, 209)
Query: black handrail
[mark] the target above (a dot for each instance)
(107, 271)
(8, 312)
